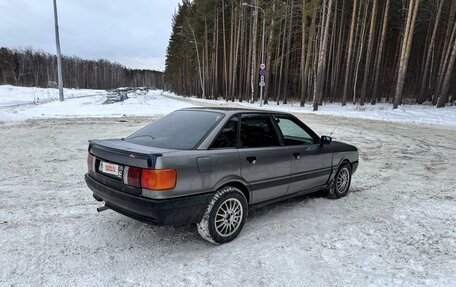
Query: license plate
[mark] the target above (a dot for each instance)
(110, 168)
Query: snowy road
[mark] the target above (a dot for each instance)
(397, 227)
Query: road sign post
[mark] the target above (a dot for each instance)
(262, 82)
(262, 66)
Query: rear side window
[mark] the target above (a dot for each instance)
(227, 137)
(179, 130)
(258, 131)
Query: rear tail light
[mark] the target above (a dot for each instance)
(158, 179)
(154, 179)
(132, 176)
(90, 162)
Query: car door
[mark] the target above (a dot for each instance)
(310, 162)
(265, 163)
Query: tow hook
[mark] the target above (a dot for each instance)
(102, 208)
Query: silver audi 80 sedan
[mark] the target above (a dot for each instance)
(209, 165)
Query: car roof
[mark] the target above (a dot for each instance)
(233, 110)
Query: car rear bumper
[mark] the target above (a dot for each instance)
(174, 211)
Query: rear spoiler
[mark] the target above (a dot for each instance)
(119, 151)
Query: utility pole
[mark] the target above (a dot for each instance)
(59, 56)
(262, 65)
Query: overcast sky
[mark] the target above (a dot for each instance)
(134, 33)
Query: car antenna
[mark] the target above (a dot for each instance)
(335, 128)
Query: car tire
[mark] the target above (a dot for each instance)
(340, 184)
(224, 217)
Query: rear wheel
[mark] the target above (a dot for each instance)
(224, 217)
(340, 185)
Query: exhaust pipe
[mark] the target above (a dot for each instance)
(102, 208)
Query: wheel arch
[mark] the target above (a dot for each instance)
(331, 181)
(336, 167)
(241, 187)
(346, 161)
(237, 182)
(341, 161)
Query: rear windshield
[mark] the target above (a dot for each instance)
(178, 130)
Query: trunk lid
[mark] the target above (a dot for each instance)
(126, 153)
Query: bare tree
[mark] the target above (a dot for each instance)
(380, 52)
(443, 97)
(406, 46)
(369, 52)
(322, 56)
(349, 54)
(429, 53)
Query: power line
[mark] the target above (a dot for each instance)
(46, 20)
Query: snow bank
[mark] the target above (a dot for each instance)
(13, 96)
(420, 114)
(18, 103)
(22, 103)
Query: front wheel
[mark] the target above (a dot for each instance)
(224, 217)
(340, 185)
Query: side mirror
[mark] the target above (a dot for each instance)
(325, 140)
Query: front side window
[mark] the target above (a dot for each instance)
(258, 131)
(227, 137)
(293, 133)
(179, 130)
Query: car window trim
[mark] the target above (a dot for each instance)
(209, 130)
(301, 125)
(266, 115)
(221, 130)
(278, 131)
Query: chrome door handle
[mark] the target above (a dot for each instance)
(251, 159)
(297, 155)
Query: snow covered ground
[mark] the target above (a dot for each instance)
(18, 103)
(421, 114)
(11, 96)
(397, 227)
